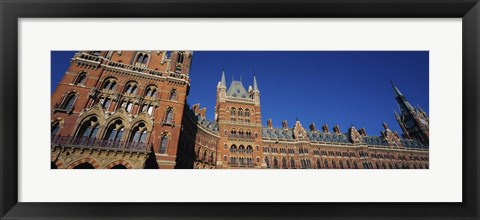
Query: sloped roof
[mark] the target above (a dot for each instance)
(237, 90)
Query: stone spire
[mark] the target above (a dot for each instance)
(255, 86)
(222, 81)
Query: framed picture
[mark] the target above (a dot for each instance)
(118, 83)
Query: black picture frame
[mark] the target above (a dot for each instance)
(11, 11)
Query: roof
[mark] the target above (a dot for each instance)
(342, 138)
(237, 90)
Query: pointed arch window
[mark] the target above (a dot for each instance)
(267, 162)
(80, 79)
(151, 92)
(142, 60)
(69, 101)
(129, 106)
(284, 163)
(138, 133)
(150, 110)
(115, 131)
(180, 57)
(163, 144)
(109, 84)
(173, 95)
(89, 128)
(275, 162)
(292, 163)
(131, 88)
(169, 116)
(55, 128)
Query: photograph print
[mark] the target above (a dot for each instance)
(167, 109)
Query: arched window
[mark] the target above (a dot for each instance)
(109, 84)
(233, 149)
(150, 110)
(139, 133)
(80, 79)
(284, 163)
(129, 106)
(55, 128)
(173, 95)
(169, 116)
(69, 101)
(355, 165)
(319, 166)
(267, 162)
(131, 88)
(180, 57)
(212, 157)
(240, 112)
(115, 131)
(141, 60)
(151, 92)
(232, 112)
(334, 166)
(89, 128)
(275, 162)
(325, 164)
(241, 149)
(292, 163)
(247, 112)
(249, 149)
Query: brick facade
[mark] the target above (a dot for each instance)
(128, 109)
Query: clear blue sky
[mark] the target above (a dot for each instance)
(323, 87)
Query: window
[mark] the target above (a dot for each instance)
(139, 133)
(232, 112)
(284, 163)
(142, 60)
(89, 128)
(150, 110)
(292, 163)
(115, 131)
(69, 101)
(267, 162)
(151, 92)
(109, 84)
(80, 79)
(275, 162)
(55, 128)
(128, 107)
(163, 144)
(173, 95)
(247, 112)
(180, 57)
(233, 149)
(169, 116)
(131, 88)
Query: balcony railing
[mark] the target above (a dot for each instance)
(84, 142)
(241, 138)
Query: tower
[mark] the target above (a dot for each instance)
(237, 112)
(413, 121)
(120, 101)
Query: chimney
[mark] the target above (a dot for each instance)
(312, 127)
(269, 123)
(284, 124)
(336, 129)
(195, 108)
(202, 112)
(363, 132)
(325, 129)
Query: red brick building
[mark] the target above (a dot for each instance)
(128, 109)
